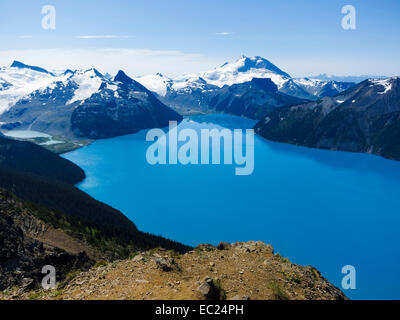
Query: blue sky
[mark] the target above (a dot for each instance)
(182, 36)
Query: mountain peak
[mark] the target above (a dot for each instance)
(95, 72)
(20, 65)
(243, 70)
(68, 71)
(258, 62)
(122, 77)
(384, 85)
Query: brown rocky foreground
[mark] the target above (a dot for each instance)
(230, 271)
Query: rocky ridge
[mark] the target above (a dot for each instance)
(238, 271)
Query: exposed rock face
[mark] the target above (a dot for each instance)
(241, 271)
(22, 257)
(365, 118)
(127, 109)
(166, 263)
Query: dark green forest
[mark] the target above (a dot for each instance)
(45, 182)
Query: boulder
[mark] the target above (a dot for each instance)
(166, 264)
(211, 289)
(224, 246)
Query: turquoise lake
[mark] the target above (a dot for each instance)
(322, 208)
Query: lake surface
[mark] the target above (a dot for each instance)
(321, 208)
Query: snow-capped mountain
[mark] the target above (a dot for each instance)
(87, 81)
(20, 80)
(323, 88)
(186, 92)
(35, 99)
(120, 106)
(244, 70)
(240, 71)
(42, 100)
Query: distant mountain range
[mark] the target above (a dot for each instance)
(203, 92)
(355, 79)
(317, 111)
(88, 104)
(240, 71)
(77, 103)
(365, 118)
(253, 99)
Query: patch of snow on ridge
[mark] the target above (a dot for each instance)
(114, 88)
(385, 83)
(22, 83)
(50, 143)
(88, 82)
(156, 83)
(307, 82)
(188, 82)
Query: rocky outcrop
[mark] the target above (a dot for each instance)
(211, 289)
(22, 256)
(238, 271)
